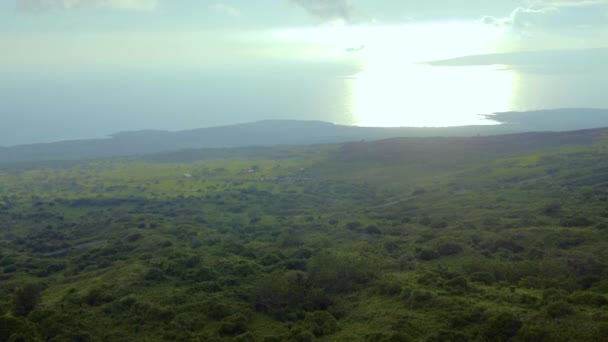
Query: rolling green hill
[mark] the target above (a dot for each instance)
(499, 238)
(292, 132)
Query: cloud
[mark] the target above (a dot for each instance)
(226, 10)
(544, 61)
(47, 5)
(328, 10)
(555, 14)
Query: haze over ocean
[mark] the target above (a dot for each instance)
(84, 69)
(51, 109)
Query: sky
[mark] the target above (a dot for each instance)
(81, 68)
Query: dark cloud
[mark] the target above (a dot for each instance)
(328, 10)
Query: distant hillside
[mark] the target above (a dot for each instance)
(286, 132)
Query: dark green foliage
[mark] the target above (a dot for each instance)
(447, 249)
(501, 327)
(8, 326)
(154, 274)
(340, 272)
(216, 309)
(26, 298)
(427, 254)
(589, 298)
(372, 230)
(447, 336)
(300, 334)
(458, 283)
(97, 296)
(558, 309)
(576, 221)
(233, 325)
(321, 323)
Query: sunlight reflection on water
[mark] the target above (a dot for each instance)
(422, 95)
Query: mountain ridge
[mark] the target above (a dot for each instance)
(292, 132)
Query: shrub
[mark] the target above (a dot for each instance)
(217, 309)
(154, 274)
(296, 264)
(299, 334)
(233, 325)
(575, 221)
(483, 277)
(372, 230)
(419, 298)
(588, 298)
(534, 333)
(340, 272)
(276, 292)
(427, 254)
(558, 309)
(458, 283)
(447, 335)
(97, 296)
(246, 337)
(389, 288)
(26, 298)
(271, 258)
(354, 225)
(449, 248)
(321, 323)
(501, 327)
(8, 326)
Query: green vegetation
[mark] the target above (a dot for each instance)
(447, 239)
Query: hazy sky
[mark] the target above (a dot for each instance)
(92, 67)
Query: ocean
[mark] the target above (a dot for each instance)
(44, 108)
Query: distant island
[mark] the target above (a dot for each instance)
(293, 132)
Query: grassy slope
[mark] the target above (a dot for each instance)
(486, 238)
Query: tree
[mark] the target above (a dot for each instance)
(25, 299)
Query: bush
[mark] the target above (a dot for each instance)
(559, 309)
(217, 309)
(589, 298)
(389, 288)
(8, 326)
(372, 230)
(447, 335)
(154, 274)
(97, 296)
(449, 248)
(296, 264)
(271, 259)
(501, 327)
(17, 329)
(233, 325)
(25, 299)
(419, 298)
(299, 334)
(427, 254)
(575, 221)
(340, 272)
(483, 277)
(534, 333)
(321, 323)
(457, 283)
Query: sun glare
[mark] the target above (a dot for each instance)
(419, 95)
(396, 88)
